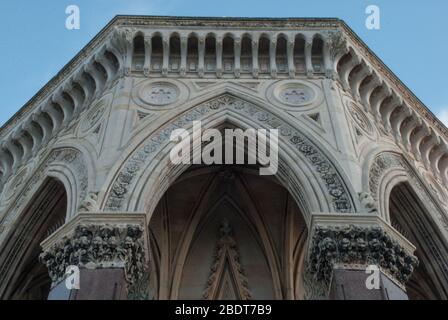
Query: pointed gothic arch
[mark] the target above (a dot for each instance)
(22, 275)
(266, 238)
(304, 167)
(405, 201)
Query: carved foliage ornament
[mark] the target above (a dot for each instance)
(227, 249)
(359, 246)
(99, 246)
(142, 157)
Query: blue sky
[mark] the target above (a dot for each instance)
(35, 44)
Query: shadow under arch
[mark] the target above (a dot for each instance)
(406, 203)
(409, 216)
(135, 173)
(22, 276)
(216, 191)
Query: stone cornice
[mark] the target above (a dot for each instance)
(393, 80)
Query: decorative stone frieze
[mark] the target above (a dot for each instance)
(368, 241)
(96, 242)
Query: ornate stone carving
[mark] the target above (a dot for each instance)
(368, 202)
(145, 153)
(227, 249)
(94, 116)
(355, 245)
(296, 96)
(90, 203)
(160, 94)
(98, 246)
(360, 118)
(337, 44)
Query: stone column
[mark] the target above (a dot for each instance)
(110, 251)
(343, 247)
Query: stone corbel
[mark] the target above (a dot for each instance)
(100, 242)
(437, 154)
(427, 146)
(366, 91)
(27, 144)
(347, 68)
(6, 162)
(56, 116)
(417, 138)
(15, 151)
(354, 242)
(358, 79)
(398, 120)
(35, 134)
(389, 108)
(46, 126)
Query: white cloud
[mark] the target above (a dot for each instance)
(443, 116)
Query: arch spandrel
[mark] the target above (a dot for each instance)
(320, 169)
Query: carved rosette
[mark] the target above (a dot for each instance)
(361, 246)
(99, 246)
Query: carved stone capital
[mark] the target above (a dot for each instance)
(354, 245)
(90, 242)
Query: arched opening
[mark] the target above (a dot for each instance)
(192, 53)
(156, 52)
(26, 278)
(174, 53)
(318, 55)
(228, 54)
(281, 54)
(263, 54)
(210, 53)
(246, 54)
(225, 232)
(299, 53)
(409, 216)
(138, 58)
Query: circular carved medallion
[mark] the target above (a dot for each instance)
(296, 95)
(160, 94)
